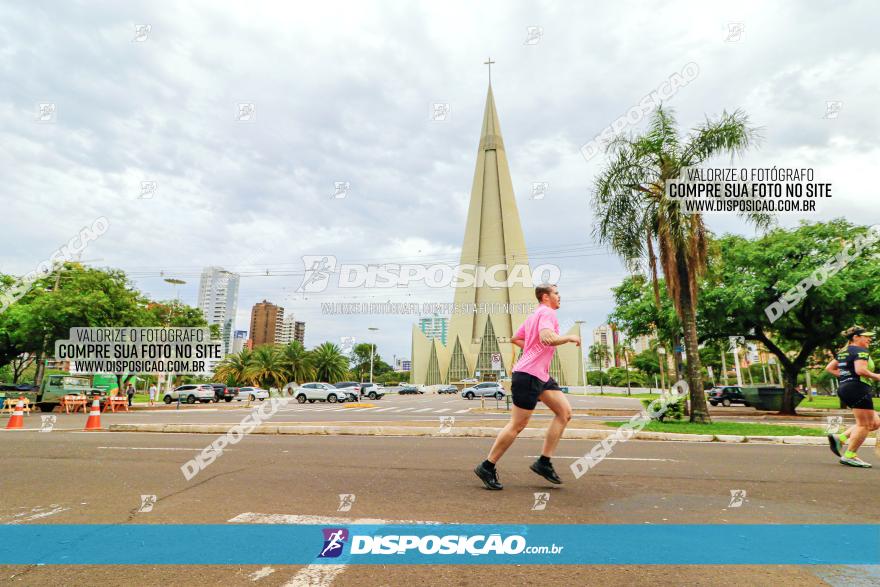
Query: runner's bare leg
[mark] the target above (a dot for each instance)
(558, 403)
(519, 418)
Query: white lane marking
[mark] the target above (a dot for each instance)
(609, 458)
(152, 448)
(315, 576)
(261, 573)
(402, 410)
(38, 515)
(256, 518)
(384, 409)
(462, 411)
(441, 411)
(422, 410)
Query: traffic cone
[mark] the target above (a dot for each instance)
(94, 421)
(16, 420)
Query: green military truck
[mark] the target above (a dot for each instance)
(55, 387)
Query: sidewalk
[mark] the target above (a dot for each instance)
(577, 430)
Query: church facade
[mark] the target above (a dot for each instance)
(496, 292)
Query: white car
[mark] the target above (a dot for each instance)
(321, 392)
(251, 393)
(191, 393)
(487, 389)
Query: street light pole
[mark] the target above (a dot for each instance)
(372, 352)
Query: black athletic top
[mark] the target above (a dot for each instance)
(846, 360)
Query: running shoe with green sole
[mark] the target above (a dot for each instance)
(855, 462)
(835, 444)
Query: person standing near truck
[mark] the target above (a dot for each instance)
(854, 370)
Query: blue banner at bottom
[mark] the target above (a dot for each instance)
(440, 544)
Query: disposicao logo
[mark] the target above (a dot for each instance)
(334, 542)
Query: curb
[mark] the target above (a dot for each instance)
(466, 432)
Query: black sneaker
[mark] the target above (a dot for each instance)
(489, 478)
(835, 444)
(546, 471)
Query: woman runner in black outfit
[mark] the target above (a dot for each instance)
(854, 370)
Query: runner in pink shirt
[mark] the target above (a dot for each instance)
(538, 337)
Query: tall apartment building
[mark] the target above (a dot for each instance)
(218, 301)
(434, 327)
(266, 323)
(606, 335)
(292, 330)
(642, 343)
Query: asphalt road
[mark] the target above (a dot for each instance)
(427, 408)
(75, 477)
(391, 408)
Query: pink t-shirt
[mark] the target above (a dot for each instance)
(536, 356)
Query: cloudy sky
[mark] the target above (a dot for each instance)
(343, 92)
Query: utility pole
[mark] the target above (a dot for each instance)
(372, 352)
(583, 365)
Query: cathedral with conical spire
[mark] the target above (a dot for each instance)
(489, 311)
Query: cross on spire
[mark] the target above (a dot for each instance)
(489, 62)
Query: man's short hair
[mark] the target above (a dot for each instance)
(544, 288)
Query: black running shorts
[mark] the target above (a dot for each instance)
(525, 389)
(856, 395)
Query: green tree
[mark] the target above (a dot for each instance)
(297, 362)
(233, 369)
(751, 275)
(633, 212)
(266, 367)
(647, 362)
(360, 360)
(329, 363)
(598, 354)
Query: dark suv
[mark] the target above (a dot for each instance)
(221, 392)
(729, 394)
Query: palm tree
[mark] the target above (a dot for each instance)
(625, 351)
(633, 212)
(266, 367)
(297, 362)
(599, 354)
(233, 368)
(329, 363)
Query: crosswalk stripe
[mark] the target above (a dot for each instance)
(402, 409)
(422, 410)
(441, 411)
(384, 409)
(462, 411)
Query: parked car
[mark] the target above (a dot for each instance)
(372, 390)
(406, 388)
(729, 394)
(351, 389)
(191, 393)
(447, 389)
(251, 394)
(221, 392)
(486, 389)
(322, 392)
